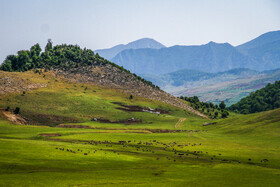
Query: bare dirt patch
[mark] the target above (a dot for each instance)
(45, 119)
(74, 126)
(127, 121)
(50, 135)
(135, 108)
(15, 118)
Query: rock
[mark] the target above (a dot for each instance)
(206, 124)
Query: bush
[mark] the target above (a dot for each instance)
(16, 111)
(225, 114)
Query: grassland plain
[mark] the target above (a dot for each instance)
(242, 150)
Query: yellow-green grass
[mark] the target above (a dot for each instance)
(149, 158)
(29, 159)
(62, 101)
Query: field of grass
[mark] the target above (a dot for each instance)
(242, 150)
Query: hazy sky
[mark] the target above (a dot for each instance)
(97, 24)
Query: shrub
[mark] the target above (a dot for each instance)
(16, 111)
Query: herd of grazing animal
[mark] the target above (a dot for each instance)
(153, 148)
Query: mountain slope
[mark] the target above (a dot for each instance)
(230, 91)
(211, 57)
(267, 98)
(71, 63)
(263, 39)
(264, 49)
(193, 78)
(138, 44)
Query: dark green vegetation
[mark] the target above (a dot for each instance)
(58, 57)
(267, 98)
(209, 109)
(63, 144)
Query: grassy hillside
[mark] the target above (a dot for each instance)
(267, 98)
(61, 101)
(61, 146)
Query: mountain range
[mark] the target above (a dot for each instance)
(226, 86)
(261, 53)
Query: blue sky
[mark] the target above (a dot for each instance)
(97, 24)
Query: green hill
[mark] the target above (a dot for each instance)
(267, 98)
(99, 125)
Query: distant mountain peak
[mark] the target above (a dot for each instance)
(211, 43)
(137, 44)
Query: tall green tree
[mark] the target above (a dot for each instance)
(222, 105)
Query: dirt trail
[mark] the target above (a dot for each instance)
(181, 120)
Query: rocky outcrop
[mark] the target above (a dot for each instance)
(14, 84)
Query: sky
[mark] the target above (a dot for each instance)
(99, 24)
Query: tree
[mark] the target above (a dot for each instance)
(16, 111)
(225, 114)
(7, 65)
(49, 45)
(216, 114)
(24, 61)
(35, 52)
(222, 105)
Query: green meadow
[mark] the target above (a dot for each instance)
(168, 149)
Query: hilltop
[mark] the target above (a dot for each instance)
(76, 65)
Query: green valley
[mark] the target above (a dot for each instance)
(82, 134)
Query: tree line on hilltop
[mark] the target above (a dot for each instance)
(59, 56)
